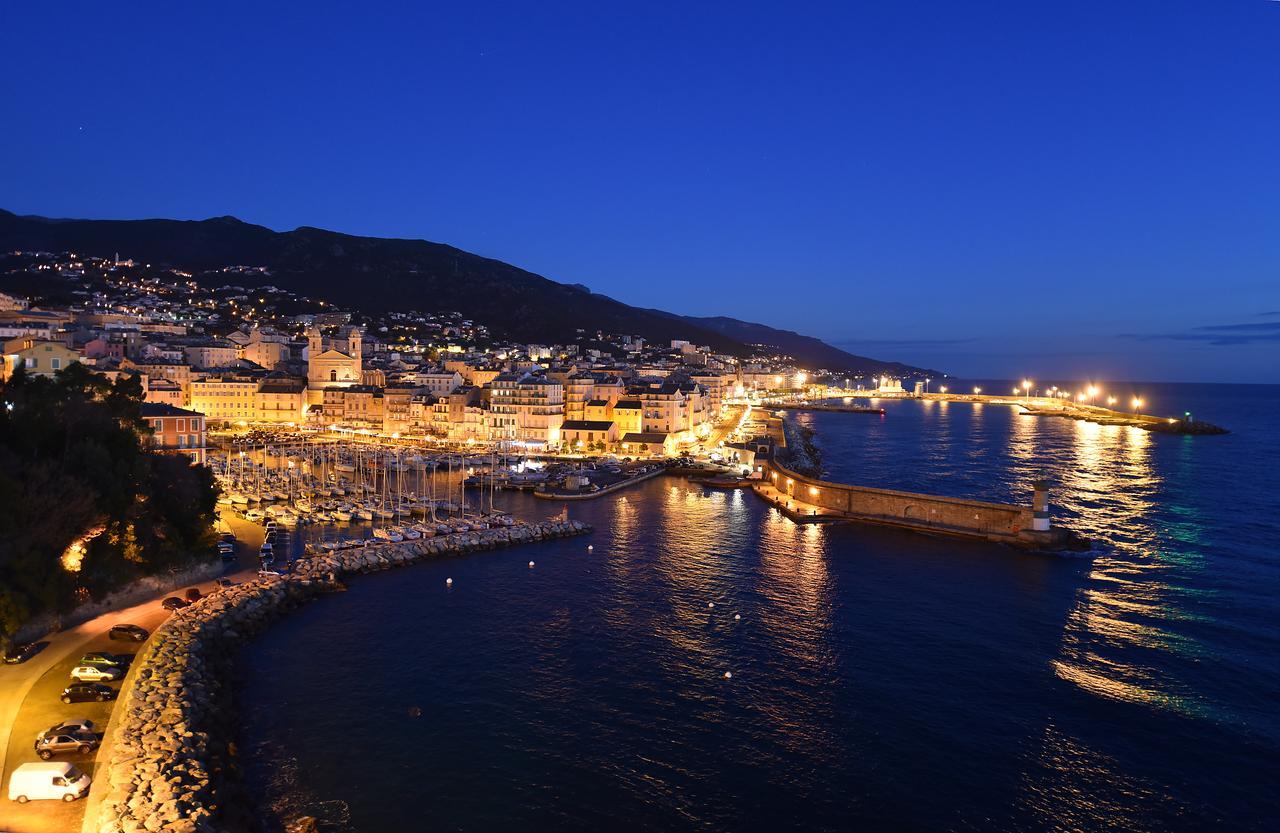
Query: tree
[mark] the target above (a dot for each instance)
(73, 462)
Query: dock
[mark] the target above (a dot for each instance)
(1031, 406)
(810, 500)
(580, 494)
(834, 409)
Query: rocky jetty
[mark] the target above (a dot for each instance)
(170, 756)
(800, 453)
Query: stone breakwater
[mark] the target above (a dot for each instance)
(171, 765)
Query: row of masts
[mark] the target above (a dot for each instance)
(334, 482)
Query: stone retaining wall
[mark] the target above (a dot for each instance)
(170, 756)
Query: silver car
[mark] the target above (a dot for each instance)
(49, 745)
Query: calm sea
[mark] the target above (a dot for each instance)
(881, 680)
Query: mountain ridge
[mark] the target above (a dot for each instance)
(381, 273)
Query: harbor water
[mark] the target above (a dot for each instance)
(708, 665)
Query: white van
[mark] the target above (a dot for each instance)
(47, 780)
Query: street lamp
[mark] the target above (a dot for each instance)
(1137, 403)
(1026, 387)
(977, 390)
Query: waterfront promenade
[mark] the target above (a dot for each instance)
(1034, 406)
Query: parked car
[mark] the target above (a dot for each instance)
(82, 726)
(48, 780)
(224, 583)
(49, 745)
(20, 653)
(131, 633)
(192, 594)
(174, 603)
(104, 660)
(85, 692)
(95, 674)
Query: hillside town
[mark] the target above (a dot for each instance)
(237, 358)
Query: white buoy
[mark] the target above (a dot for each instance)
(449, 582)
(728, 675)
(530, 563)
(737, 616)
(711, 604)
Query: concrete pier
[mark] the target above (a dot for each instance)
(810, 500)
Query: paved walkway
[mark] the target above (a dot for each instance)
(796, 510)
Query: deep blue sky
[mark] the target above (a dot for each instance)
(1000, 188)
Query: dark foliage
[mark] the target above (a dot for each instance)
(73, 460)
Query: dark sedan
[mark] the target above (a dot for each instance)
(20, 653)
(174, 603)
(85, 692)
(131, 633)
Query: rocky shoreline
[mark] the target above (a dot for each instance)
(171, 766)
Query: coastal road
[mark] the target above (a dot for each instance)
(29, 695)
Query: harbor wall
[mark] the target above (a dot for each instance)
(169, 761)
(972, 518)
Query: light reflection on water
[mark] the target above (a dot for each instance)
(880, 680)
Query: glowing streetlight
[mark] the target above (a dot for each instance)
(1111, 400)
(1093, 391)
(977, 390)
(1137, 403)
(943, 389)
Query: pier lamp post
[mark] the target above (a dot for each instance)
(1111, 400)
(1026, 387)
(977, 391)
(1093, 391)
(942, 389)
(1137, 403)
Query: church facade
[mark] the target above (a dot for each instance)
(333, 362)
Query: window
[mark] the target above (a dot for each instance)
(182, 425)
(55, 364)
(159, 426)
(333, 375)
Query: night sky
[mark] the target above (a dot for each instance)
(999, 189)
